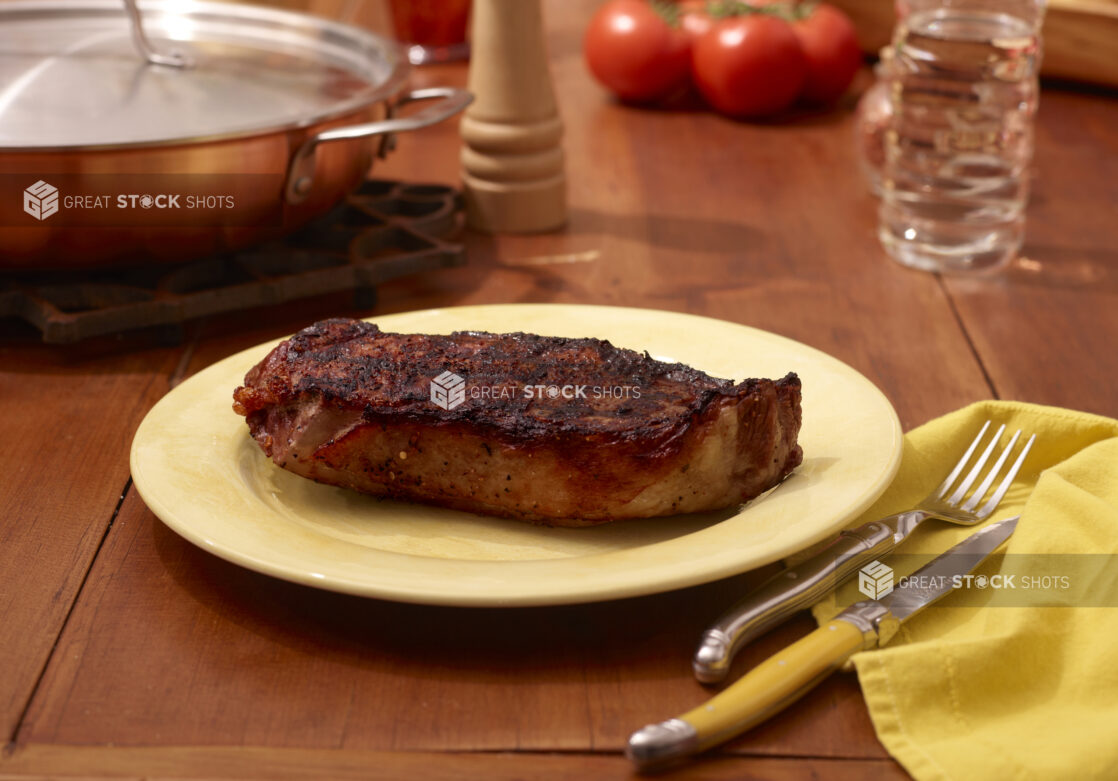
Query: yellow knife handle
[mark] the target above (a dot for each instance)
(765, 690)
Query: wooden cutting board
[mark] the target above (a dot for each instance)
(1080, 36)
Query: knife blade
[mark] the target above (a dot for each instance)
(785, 677)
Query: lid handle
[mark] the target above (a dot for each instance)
(173, 58)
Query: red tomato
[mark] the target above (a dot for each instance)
(635, 53)
(693, 17)
(831, 48)
(749, 66)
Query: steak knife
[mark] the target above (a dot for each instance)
(782, 679)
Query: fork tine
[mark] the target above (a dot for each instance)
(961, 491)
(984, 486)
(962, 462)
(997, 497)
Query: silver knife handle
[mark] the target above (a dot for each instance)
(787, 592)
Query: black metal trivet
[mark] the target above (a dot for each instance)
(382, 231)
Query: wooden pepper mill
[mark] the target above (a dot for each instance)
(512, 163)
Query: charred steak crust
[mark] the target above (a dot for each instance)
(344, 403)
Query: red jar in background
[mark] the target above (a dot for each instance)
(433, 30)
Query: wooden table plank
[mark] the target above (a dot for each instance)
(1047, 330)
(69, 414)
(48, 761)
(172, 645)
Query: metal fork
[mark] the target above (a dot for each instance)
(801, 586)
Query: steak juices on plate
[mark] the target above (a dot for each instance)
(553, 430)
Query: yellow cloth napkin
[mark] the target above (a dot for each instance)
(978, 690)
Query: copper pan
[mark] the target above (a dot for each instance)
(286, 169)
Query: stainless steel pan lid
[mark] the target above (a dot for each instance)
(71, 77)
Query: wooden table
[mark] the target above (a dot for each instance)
(126, 651)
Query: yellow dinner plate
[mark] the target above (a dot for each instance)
(198, 469)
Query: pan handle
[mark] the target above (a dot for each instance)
(300, 174)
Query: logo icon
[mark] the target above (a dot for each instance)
(448, 390)
(875, 580)
(40, 200)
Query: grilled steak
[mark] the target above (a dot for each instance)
(567, 432)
